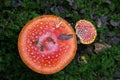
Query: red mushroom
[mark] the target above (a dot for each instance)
(47, 44)
(85, 31)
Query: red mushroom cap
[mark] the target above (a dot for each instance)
(47, 44)
(85, 31)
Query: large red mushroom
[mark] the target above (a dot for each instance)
(47, 44)
(86, 31)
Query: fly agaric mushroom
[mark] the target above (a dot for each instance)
(47, 44)
(85, 31)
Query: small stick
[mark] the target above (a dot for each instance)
(50, 39)
(41, 47)
(36, 41)
(58, 25)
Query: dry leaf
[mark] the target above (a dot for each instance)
(108, 1)
(65, 36)
(115, 23)
(17, 3)
(114, 41)
(117, 74)
(73, 4)
(99, 47)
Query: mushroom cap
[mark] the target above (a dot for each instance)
(86, 31)
(41, 49)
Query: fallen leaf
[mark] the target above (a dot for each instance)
(65, 36)
(102, 21)
(99, 22)
(114, 23)
(17, 3)
(114, 41)
(93, 16)
(108, 1)
(109, 34)
(99, 47)
(48, 8)
(59, 10)
(101, 37)
(117, 74)
(94, 5)
(73, 4)
(82, 11)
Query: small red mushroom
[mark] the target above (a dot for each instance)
(85, 31)
(47, 44)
